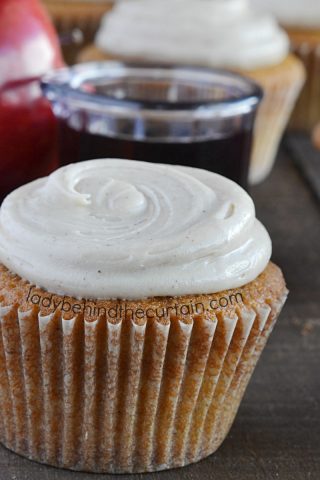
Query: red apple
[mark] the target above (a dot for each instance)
(28, 43)
(28, 48)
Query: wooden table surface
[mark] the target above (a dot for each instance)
(276, 434)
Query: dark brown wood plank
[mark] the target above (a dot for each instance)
(307, 159)
(277, 432)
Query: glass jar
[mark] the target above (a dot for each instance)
(183, 116)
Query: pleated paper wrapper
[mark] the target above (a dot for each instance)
(282, 85)
(307, 110)
(122, 396)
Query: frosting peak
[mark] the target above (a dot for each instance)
(216, 33)
(125, 229)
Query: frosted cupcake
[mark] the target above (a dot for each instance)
(135, 300)
(302, 23)
(78, 10)
(212, 33)
(76, 22)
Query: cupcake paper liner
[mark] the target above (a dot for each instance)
(74, 11)
(125, 396)
(307, 110)
(282, 85)
(73, 16)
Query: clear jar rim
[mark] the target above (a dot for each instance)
(67, 83)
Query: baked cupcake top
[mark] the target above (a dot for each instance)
(218, 33)
(115, 228)
(293, 13)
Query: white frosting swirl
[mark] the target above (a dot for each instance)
(214, 33)
(124, 229)
(293, 13)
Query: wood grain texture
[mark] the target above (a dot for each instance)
(277, 431)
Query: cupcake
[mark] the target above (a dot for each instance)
(74, 12)
(213, 33)
(76, 22)
(316, 136)
(301, 20)
(135, 300)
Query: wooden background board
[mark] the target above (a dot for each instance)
(276, 434)
(307, 159)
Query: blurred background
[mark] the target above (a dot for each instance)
(275, 45)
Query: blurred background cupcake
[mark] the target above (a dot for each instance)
(212, 33)
(76, 22)
(301, 20)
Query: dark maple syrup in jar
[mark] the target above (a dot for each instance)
(228, 156)
(201, 118)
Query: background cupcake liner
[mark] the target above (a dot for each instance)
(124, 397)
(307, 110)
(76, 23)
(282, 85)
